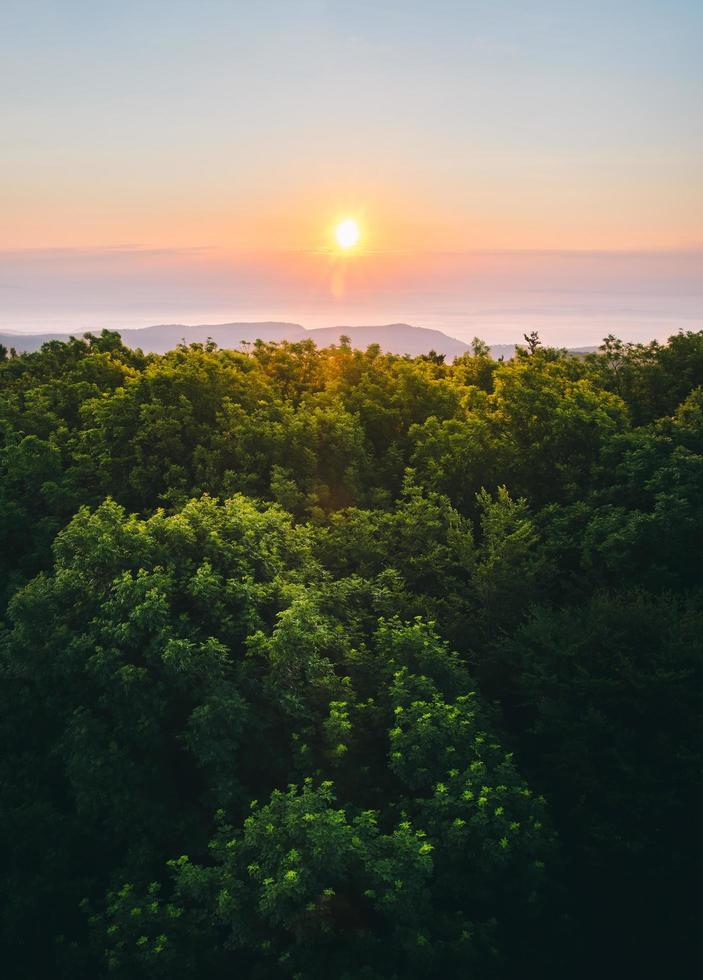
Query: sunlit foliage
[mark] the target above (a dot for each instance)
(331, 663)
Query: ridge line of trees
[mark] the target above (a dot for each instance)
(334, 663)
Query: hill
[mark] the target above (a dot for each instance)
(165, 336)
(395, 338)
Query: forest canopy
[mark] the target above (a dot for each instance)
(328, 663)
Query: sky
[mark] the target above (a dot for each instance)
(507, 162)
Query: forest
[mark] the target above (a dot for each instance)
(329, 663)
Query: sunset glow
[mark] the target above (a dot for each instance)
(351, 455)
(465, 174)
(347, 233)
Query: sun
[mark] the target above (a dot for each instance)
(347, 233)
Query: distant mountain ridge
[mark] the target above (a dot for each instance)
(394, 338)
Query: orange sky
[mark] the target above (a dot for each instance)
(230, 138)
(546, 210)
(460, 126)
